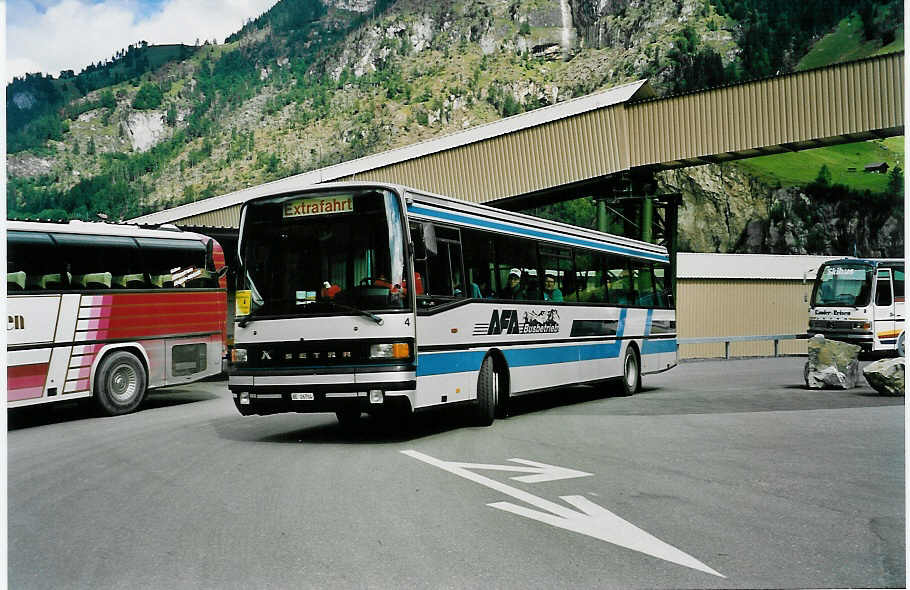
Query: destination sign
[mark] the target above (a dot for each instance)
(318, 206)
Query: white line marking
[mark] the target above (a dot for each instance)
(542, 472)
(590, 519)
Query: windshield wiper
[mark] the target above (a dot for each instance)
(242, 322)
(360, 312)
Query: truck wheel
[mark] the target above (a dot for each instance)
(900, 344)
(120, 383)
(487, 394)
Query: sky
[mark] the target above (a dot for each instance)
(53, 35)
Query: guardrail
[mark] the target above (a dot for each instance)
(729, 339)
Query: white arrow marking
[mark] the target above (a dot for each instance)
(590, 519)
(542, 471)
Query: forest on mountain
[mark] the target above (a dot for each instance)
(316, 82)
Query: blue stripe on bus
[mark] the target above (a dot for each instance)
(463, 219)
(658, 346)
(462, 361)
(649, 346)
(439, 363)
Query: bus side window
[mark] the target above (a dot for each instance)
(619, 280)
(171, 262)
(100, 262)
(883, 296)
(517, 256)
(898, 279)
(592, 285)
(662, 290)
(32, 262)
(478, 258)
(644, 284)
(557, 265)
(437, 261)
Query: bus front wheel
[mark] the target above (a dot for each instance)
(120, 383)
(348, 419)
(631, 372)
(487, 393)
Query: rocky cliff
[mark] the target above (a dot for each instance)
(316, 82)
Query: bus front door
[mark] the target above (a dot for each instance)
(883, 310)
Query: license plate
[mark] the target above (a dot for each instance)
(302, 396)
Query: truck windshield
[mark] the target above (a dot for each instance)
(318, 253)
(843, 286)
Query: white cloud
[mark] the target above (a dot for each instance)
(74, 33)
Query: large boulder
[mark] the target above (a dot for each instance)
(831, 364)
(886, 376)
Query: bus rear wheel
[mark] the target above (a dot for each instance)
(487, 394)
(120, 384)
(631, 372)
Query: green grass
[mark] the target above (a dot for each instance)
(894, 46)
(800, 168)
(846, 43)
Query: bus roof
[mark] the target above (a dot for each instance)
(97, 228)
(428, 206)
(874, 262)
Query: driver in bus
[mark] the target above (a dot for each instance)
(329, 290)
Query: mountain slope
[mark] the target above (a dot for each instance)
(312, 83)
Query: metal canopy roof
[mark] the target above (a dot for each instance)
(620, 129)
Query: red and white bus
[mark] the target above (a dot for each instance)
(109, 311)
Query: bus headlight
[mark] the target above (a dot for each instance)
(238, 356)
(392, 350)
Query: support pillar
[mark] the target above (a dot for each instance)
(601, 215)
(647, 219)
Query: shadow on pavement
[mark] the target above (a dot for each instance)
(368, 430)
(81, 409)
(390, 429)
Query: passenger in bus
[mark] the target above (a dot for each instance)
(550, 291)
(475, 291)
(513, 289)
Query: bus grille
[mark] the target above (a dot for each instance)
(311, 354)
(832, 324)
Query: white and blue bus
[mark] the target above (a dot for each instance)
(363, 297)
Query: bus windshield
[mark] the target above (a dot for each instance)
(847, 285)
(318, 253)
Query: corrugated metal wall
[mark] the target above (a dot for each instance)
(740, 307)
(585, 146)
(220, 218)
(842, 99)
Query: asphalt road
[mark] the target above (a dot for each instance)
(719, 474)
